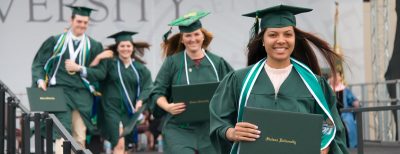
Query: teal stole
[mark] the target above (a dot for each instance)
(312, 84)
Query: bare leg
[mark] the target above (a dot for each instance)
(120, 147)
(150, 140)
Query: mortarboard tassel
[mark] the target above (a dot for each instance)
(254, 29)
(165, 36)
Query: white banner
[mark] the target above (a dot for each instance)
(25, 24)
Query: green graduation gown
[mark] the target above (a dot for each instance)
(114, 101)
(293, 96)
(186, 137)
(77, 96)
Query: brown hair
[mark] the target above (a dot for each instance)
(303, 50)
(138, 50)
(174, 45)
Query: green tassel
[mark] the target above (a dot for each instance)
(165, 36)
(254, 30)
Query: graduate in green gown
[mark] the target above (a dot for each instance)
(48, 70)
(282, 74)
(125, 84)
(187, 62)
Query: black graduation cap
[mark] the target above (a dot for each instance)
(81, 10)
(277, 16)
(122, 36)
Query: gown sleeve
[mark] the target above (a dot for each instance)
(44, 53)
(338, 145)
(99, 72)
(223, 112)
(95, 49)
(146, 84)
(162, 87)
(224, 68)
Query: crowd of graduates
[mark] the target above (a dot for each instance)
(106, 87)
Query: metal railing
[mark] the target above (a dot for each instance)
(383, 125)
(359, 118)
(377, 118)
(50, 120)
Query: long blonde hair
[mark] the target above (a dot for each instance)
(174, 45)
